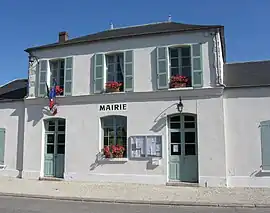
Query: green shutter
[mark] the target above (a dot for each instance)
(2, 146)
(99, 73)
(42, 78)
(68, 76)
(265, 144)
(128, 70)
(32, 85)
(197, 66)
(162, 67)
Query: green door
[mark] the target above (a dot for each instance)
(183, 158)
(2, 146)
(54, 164)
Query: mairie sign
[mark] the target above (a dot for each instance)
(112, 107)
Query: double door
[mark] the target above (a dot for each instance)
(183, 151)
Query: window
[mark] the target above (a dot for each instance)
(179, 66)
(58, 73)
(265, 144)
(59, 69)
(2, 146)
(180, 61)
(115, 132)
(117, 67)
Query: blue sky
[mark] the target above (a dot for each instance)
(26, 23)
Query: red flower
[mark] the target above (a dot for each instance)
(116, 151)
(113, 84)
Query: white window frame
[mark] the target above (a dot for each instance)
(114, 54)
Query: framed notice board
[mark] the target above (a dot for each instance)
(145, 146)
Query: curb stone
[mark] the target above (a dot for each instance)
(138, 202)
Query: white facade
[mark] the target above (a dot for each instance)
(227, 121)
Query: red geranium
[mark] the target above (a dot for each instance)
(113, 84)
(115, 151)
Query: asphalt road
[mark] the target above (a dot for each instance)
(24, 205)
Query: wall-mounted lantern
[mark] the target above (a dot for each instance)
(180, 105)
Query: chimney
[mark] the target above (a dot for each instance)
(63, 36)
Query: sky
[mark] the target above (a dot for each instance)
(27, 23)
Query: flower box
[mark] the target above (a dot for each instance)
(113, 86)
(178, 81)
(114, 151)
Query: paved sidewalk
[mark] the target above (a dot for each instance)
(136, 193)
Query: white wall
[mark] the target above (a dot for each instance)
(83, 140)
(144, 58)
(12, 120)
(245, 108)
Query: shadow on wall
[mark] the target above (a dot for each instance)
(36, 114)
(161, 120)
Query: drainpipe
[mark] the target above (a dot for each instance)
(215, 38)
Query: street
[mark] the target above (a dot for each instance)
(24, 205)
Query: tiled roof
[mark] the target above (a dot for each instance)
(16, 89)
(133, 31)
(253, 73)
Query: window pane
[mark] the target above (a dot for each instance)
(61, 138)
(174, 71)
(110, 59)
(108, 121)
(174, 62)
(69, 74)
(110, 77)
(99, 72)
(173, 52)
(162, 80)
(43, 65)
(190, 137)
(129, 82)
(106, 141)
(50, 149)
(51, 126)
(185, 51)
(186, 62)
(120, 77)
(68, 87)
(62, 64)
(190, 125)
(99, 84)
(186, 71)
(68, 62)
(162, 53)
(50, 138)
(196, 50)
(61, 149)
(162, 66)
(43, 76)
(110, 68)
(128, 69)
(128, 56)
(175, 118)
(61, 128)
(197, 78)
(62, 73)
(189, 118)
(175, 126)
(42, 88)
(175, 137)
(197, 64)
(190, 149)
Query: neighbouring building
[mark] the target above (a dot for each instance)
(162, 93)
